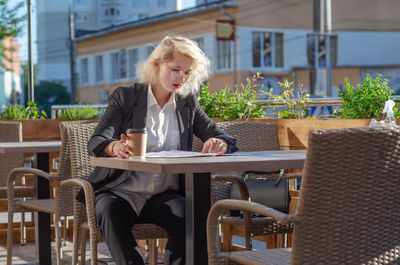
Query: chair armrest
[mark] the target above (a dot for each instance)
(89, 199)
(221, 206)
(27, 172)
(244, 192)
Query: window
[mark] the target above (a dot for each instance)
(322, 50)
(122, 64)
(162, 3)
(84, 71)
(99, 68)
(267, 49)
(224, 55)
(118, 64)
(133, 60)
(115, 65)
(137, 3)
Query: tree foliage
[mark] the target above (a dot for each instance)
(11, 23)
(50, 93)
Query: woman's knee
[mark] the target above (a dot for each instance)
(112, 208)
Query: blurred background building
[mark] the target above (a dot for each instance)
(314, 42)
(10, 73)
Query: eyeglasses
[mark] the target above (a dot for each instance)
(176, 74)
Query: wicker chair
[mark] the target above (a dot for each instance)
(251, 136)
(348, 208)
(12, 132)
(60, 206)
(84, 220)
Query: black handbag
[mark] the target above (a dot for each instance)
(273, 193)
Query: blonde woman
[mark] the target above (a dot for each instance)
(164, 102)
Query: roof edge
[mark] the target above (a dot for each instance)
(157, 19)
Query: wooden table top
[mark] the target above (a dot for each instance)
(30, 147)
(264, 160)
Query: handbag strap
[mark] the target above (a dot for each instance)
(278, 178)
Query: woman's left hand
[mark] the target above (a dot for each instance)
(214, 145)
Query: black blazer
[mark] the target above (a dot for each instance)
(127, 109)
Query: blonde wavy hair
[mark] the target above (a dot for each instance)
(164, 52)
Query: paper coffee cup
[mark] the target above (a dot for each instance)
(137, 141)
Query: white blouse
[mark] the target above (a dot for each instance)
(162, 135)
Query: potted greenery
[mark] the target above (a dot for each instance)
(35, 126)
(366, 100)
(239, 103)
(293, 124)
(360, 104)
(78, 113)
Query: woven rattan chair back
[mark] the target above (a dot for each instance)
(79, 136)
(64, 196)
(251, 136)
(62, 205)
(10, 132)
(349, 199)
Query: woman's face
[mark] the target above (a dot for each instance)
(174, 73)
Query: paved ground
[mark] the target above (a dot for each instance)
(26, 254)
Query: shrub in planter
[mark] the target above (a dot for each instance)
(366, 100)
(297, 101)
(19, 112)
(78, 113)
(239, 103)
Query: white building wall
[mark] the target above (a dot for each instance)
(368, 48)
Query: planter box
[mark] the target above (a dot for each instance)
(39, 130)
(294, 133)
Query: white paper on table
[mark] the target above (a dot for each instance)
(176, 153)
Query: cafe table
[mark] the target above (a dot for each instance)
(197, 170)
(41, 150)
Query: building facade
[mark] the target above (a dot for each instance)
(10, 74)
(277, 38)
(53, 24)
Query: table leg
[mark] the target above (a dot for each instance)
(42, 220)
(197, 196)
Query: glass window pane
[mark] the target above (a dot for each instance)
(99, 68)
(122, 63)
(311, 49)
(84, 70)
(267, 49)
(333, 50)
(224, 54)
(133, 60)
(278, 49)
(256, 36)
(114, 66)
(321, 51)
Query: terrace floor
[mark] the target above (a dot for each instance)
(26, 254)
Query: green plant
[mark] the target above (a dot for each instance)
(297, 103)
(366, 100)
(78, 113)
(19, 112)
(11, 24)
(239, 103)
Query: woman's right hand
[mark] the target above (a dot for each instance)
(118, 148)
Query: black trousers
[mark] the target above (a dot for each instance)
(115, 218)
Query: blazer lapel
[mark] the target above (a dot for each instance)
(140, 109)
(183, 115)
